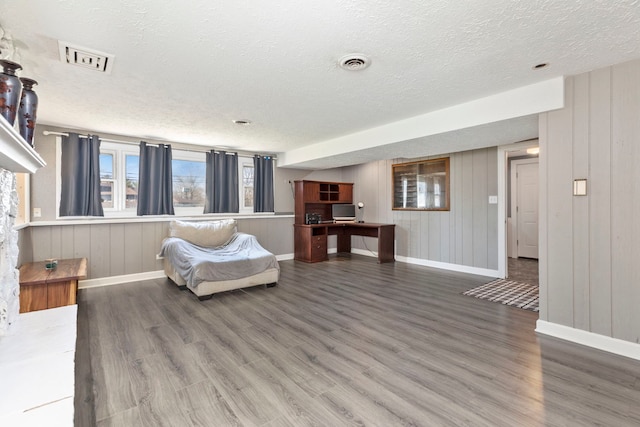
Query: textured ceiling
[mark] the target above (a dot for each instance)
(184, 70)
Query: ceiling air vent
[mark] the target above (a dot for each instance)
(354, 62)
(85, 58)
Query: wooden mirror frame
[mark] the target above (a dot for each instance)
(434, 176)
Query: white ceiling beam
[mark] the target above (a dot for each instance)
(524, 101)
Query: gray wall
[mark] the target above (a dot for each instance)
(126, 248)
(466, 235)
(589, 245)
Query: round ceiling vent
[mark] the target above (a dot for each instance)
(354, 62)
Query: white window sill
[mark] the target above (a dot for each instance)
(153, 218)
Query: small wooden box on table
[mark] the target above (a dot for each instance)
(41, 288)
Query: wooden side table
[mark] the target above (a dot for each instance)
(41, 288)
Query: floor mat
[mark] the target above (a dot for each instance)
(508, 292)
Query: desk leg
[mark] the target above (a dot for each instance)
(344, 243)
(386, 243)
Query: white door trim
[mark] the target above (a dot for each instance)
(502, 200)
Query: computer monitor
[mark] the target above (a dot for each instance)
(343, 212)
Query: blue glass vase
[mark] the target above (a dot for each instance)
(27, 110)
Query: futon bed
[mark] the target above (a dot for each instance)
(211, 257)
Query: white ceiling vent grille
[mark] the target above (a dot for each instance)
(354, 62)
(85, 58)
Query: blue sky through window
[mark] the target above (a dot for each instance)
(132, 167)
(106, 166)
(188, 170)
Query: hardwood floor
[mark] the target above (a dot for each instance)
(343, 342)
(523, 270)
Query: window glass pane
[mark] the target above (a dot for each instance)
(247, 185)
(131, 169)
(248, 197)
(106, 166)
(106, 180)
(247, 175)
(106, 193)
(188, 183)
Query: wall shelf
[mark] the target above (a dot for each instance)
(16, 154)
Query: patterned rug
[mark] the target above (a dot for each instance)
(508, 292)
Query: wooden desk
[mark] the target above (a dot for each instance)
(310, 244)
(41, 288)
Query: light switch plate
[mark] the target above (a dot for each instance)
(37, 213)
(493, 200)
(579, 187)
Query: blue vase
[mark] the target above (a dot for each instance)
(10, 88)
(27, 110)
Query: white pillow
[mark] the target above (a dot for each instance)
(207, 234)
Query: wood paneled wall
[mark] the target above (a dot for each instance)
(126, 248)
(466, 235)
(589, 270)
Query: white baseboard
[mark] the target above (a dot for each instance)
(284, 257)
(118, 280)
(436, 264)
(449, 266)
(601, 342)
(364, 252)
(127, 278)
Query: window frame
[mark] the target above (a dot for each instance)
(122, 151)
(400, 176)
(119, 151)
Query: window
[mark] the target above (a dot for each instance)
(107, 181)
(188, 181)
(131, 173)
(119, 172)
(119, 175)
(119, 178)
(422, 185)
(246, 183)
(119, 165)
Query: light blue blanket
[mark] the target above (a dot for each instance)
(240, 257)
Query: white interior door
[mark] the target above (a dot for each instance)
(527, 209)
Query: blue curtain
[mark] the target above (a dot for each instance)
(155, 180)
(263, 184)
(80, 173)
(222, 183)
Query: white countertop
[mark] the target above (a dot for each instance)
(37, 379)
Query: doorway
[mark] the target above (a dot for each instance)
(518, 194)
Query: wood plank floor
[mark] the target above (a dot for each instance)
(344, 342)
